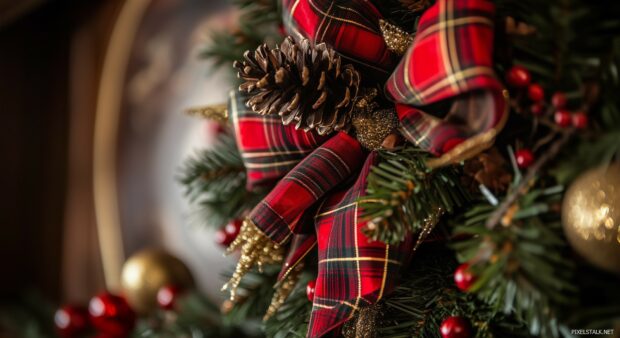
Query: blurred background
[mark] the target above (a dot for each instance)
(92, 94)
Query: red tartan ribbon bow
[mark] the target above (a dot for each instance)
(319, 179)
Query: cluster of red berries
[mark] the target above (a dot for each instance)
(108, 314)
(519, 77)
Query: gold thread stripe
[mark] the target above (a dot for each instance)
(452, 49)
(293, 8)
(469, 72)
(298, 261)
(385, 267)
(359, 259)
(327, 160)
(453, 23)
(355, 23)
(444, 49)
(337, 209)
(300, 182)
(338, 157)
(357, 255)
(275, 153)
(318, 29)
(355, 307)
(268, 165)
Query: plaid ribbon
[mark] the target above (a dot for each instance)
(269, 149)
(449, 60)
(353, 271)
(350, 27)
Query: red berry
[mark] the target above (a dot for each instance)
(455, 327)
(71, 321)
(310, 288)
(518, 76)
(580, 120)
(167, 296)
(537, 109)
(558, 100)
(524, 158)
(222, 238)
(111, 314)
(233, 228)
(463, 277)
(562, 118)
(536, 92)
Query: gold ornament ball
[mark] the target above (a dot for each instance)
(591, 217)
(146, 272)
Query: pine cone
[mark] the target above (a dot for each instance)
(490, 169)
(302, 83)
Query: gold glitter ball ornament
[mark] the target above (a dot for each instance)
(591, 217)
(146, 272)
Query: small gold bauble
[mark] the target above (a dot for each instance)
(591, 217)
(146, 272)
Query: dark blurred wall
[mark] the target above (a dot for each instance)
(39, 80)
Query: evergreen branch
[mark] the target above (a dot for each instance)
(258, 23)
(427, 296)
(522, 186)
(291, 320)
(215, 181)
(521, 268)
(403, 195)
(254, 295)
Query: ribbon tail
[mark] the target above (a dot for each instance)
(353, 271)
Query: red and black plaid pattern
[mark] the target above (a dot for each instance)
(350, 27)
(450, 56)
(353, 271)
(450, 59)
(329, 165)
(269, 149)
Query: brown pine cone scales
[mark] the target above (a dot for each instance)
(303, 83)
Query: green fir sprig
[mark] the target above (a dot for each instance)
(215, 182)
(403, 195)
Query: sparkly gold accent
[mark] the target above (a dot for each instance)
(372, 129)
(396, 39)
(283, 290)
(216, 112)
(428, 225)
(256, 249)
(473, 145)
(364, 324)
(591, 216)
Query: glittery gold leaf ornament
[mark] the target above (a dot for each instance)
(256, 249)
(283, 290)
(372, 125)
(216, 112)
(396, 39)
(591, 217)
(364, 325)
